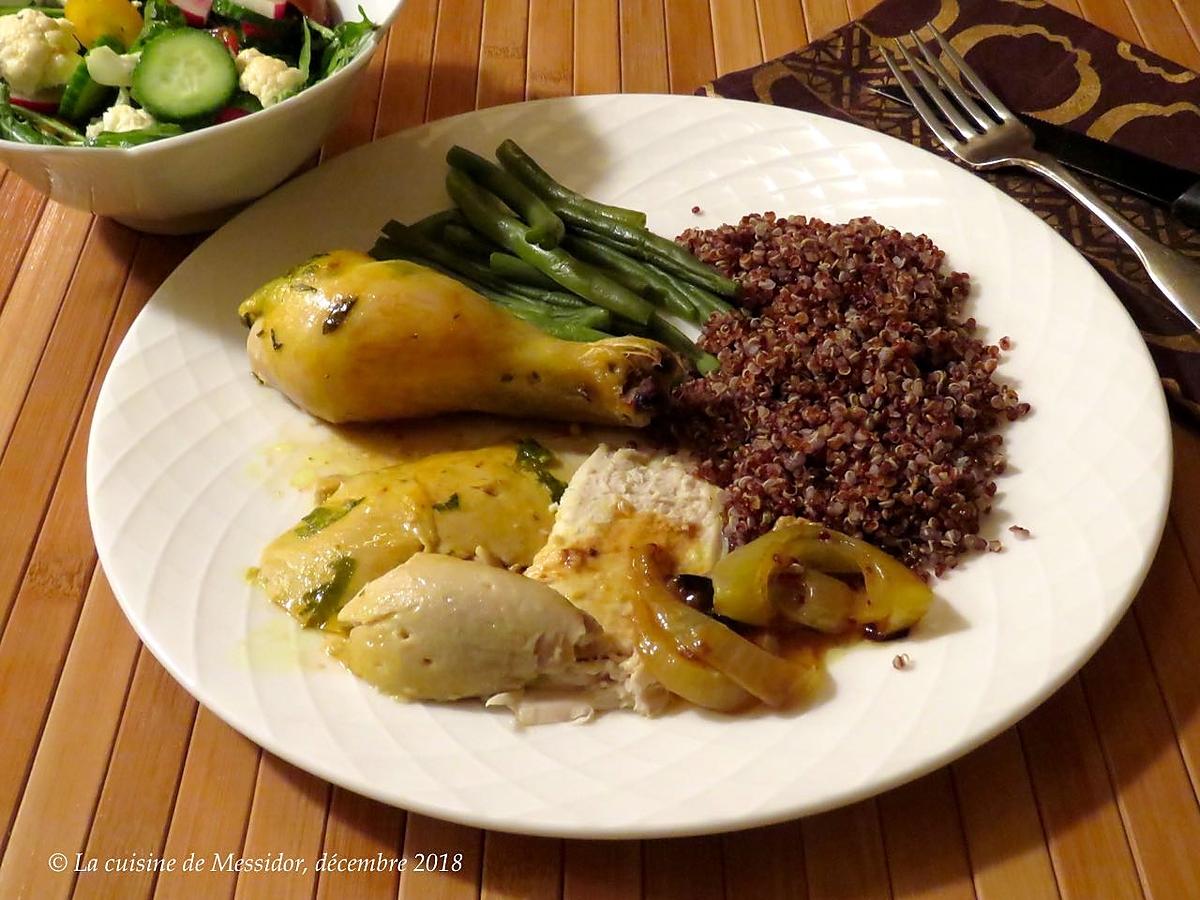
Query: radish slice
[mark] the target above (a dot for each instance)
(271, 9)
(45, 102)
(230, 113)
(195, 11)
(317, 10)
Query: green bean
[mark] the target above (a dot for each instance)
(522, 166)
(513, 268)
(433, 225)
(486, 215)
(545, 228)
(652, 248)
(672, 337)
(657, 286)
(409, 238)
(583, 323)
(567, 331)
(617, 265)
(463, 238)
(704, 301)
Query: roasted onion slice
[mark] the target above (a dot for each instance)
(702, 645)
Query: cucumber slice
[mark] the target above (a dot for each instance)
(183, 74)
(83, 97)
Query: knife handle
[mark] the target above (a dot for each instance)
(1187, 207)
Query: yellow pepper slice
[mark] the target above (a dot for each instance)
(94, 19)
(893, 597)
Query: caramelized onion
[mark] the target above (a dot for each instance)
(701, 640)
(688, 678)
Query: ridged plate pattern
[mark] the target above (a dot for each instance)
(180, 505)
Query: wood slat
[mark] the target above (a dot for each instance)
(455, 58)
(551, 49)
(1070, 6)
(33, 303)
(1005, 841)
(1159, 809)
(690, 52)
(211, 807)
(424, 835)
(595, 870)
(502, 52)
(1076, 800)
(1190, 15)
(1111, 15)
(923, 840)
(45, 608)
(844, 854)
(643, 47)
(859, 8)
(1185, 505)
(404, 91)
(736, 40)
(765, 862)
(288, 815)
(139, 787)
(22, 207)
(360, 829)
(823, 16)
(1168, 610)
(781, 27)
(64, 784)
(516, 866)
(49, 415)
(359, 124)
(683, 867)
(1163, 31)
(597, 47)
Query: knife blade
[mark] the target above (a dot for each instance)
(1176, 189)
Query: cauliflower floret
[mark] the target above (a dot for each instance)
(36, 51)
(120, 117)
(267, 78)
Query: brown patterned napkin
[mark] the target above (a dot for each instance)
(1054, 66)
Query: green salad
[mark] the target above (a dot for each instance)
(119, 73)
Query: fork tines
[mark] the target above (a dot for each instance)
(952, 110)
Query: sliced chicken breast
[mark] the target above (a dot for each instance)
(442, 628)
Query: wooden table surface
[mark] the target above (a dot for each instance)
(103, 754)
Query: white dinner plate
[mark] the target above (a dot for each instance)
(180, 506)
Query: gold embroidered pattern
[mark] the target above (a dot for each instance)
(1085, 95)
(1125, 51)
(1118, 117)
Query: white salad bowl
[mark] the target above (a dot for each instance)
(195, 181)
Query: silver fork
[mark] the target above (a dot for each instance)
(986, 143)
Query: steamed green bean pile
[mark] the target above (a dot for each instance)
(576, 268)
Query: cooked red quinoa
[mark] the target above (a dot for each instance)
(849, 390)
